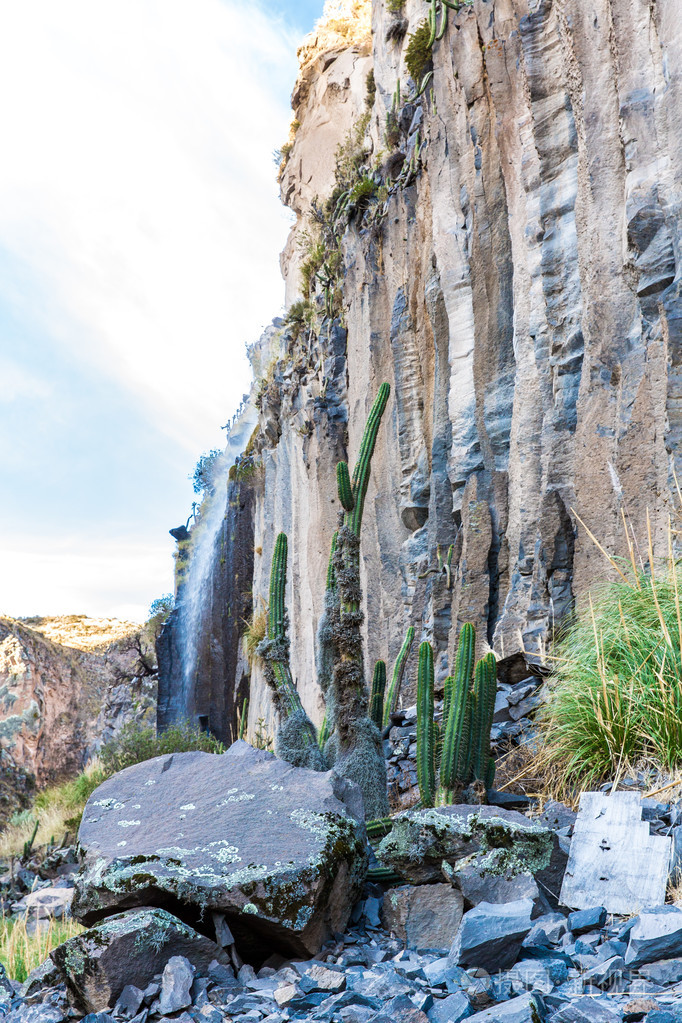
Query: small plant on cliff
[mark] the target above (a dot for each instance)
(256, 627)
(207, 472)
(419, 52)
(395, 6)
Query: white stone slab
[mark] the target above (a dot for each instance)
(614, 862)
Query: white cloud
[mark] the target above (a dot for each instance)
(20, 384)
(136, 189)
(111, 577)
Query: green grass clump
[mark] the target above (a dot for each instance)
(419, 52)
(134, 744)
(616, 693)
(394, 6)
(21, 952)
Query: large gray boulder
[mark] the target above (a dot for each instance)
(490, 936)
(656, 934)
(129, 948)
(496, 842)
(279, 850)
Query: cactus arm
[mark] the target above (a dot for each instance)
(455, 735)
(426, 766)
(323, 734)
(243, 718)
(485, 688)
(362, 468)
(331, 576)
(391, 701)
(376, 700)
(344, 487)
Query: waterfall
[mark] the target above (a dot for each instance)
(196, 593)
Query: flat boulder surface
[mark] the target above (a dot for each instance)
(279, 850)
(492, 841)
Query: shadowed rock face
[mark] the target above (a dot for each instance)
(522, 299)
(274, 848)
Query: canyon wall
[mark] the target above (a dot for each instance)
(516, 281)
(67, 684)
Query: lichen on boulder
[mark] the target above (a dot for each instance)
(279, 850)
(498, 842)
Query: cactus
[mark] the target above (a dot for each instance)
(243, 718)
(463, 753)
(345, 492)
(455, 704)
(391, 701)
(296, 740)
(485, 690)
(426, 748)
(355, 746)
(376, 699)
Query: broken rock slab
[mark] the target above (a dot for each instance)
(496, 842)
(614, 861)
(490, 936)
(423, 916)
(129, 948)
(278, 850)
(656, 935)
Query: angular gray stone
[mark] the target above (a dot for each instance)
(35, 1014)
(656, 934)
(665, 971)
(506, 842)
(528, 1008)
(130, 948)
(587, 1010)
(179, 830)
(176, 985)
(452, 1009)
(423, 916)
(491, 936)
(129, 1002)
(478, 887)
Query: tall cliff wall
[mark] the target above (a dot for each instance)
(516, 280)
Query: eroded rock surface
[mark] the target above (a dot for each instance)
(498, 842)
(274, 848)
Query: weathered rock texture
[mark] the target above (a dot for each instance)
(521, 296)
(65, 684)
(277, 849)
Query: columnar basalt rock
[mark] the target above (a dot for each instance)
(519, 293)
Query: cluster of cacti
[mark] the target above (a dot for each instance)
(456, 753)
(296, 740)
(350, 739)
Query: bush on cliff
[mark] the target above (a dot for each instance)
(616, 692)
(134, 744)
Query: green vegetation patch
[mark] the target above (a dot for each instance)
(616, 692)
(419, 52)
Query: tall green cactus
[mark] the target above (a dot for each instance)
(485, 691)
(355, 748)
(462, 754)
(296, 740)
(455, 706)
(376, 699)
(391, 701)
(344, 486)
(426, 737)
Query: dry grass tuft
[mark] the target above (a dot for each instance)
(21, 952)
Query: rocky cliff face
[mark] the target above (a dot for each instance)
(65, 684)
(515, 278)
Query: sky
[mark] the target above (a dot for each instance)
(140, 231)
